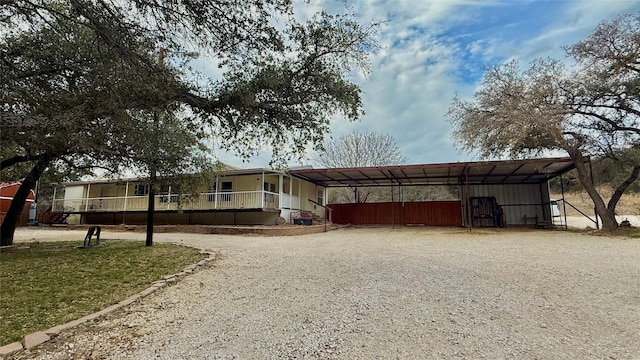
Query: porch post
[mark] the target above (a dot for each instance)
(291, 192)
(263, 194)
(53, 202)
(86, 199)
(126, 200)
(169, 197)
(215, 194)
(126, 195)
(280, 187)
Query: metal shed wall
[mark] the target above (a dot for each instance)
(516, 200)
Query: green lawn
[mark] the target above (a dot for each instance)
(47, 284)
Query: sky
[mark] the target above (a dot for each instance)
(432, 50)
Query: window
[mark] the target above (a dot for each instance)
(225, 187)
(141, 190)
(321, 196)
(269, 187)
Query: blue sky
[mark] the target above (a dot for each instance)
(431, 50)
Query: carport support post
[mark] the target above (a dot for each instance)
(466, 195)
(564, 205)
(401, 202)
(594, 209)
(392, 215)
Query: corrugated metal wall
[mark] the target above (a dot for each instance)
(433, 213)
(516, 200)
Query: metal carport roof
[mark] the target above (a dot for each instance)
(526, 171)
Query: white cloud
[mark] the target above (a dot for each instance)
(432, 50)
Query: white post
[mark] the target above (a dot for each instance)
(215, 194)
(55, 188)
(126, 194)
(263, 194)
(280, 187)
(290, 192)
(86, 204)
(169, 197)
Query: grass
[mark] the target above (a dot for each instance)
(47, 284)
(629, 203)
(633, 232)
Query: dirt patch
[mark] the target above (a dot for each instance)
(629, 203)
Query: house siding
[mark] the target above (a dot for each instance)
(247, 203)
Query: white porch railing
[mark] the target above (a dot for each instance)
(206, 201)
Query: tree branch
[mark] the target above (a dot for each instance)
(5, 163)
(617, 194)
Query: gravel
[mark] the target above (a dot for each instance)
(379, 293)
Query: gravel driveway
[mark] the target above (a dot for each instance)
(380, 293)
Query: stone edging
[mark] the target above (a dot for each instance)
(267, 230)
(40, 337)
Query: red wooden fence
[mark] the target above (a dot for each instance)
(433, 213)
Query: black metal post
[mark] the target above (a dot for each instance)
(151, 208)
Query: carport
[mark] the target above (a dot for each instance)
(491, 193)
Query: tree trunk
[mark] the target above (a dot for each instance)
(10, 222)
(151, 209)
(617, 194)
(607, 216)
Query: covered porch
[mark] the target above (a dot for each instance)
(241, 191)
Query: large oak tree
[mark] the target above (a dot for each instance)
(591, 108)
(75, 73)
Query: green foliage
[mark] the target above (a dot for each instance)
(286, 98)
(47, 284)
(82, 84)
(82, 67)
(64, 92)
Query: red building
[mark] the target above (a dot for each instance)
(7, 191)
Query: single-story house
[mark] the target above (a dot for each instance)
(490, 193)
(236, 197)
